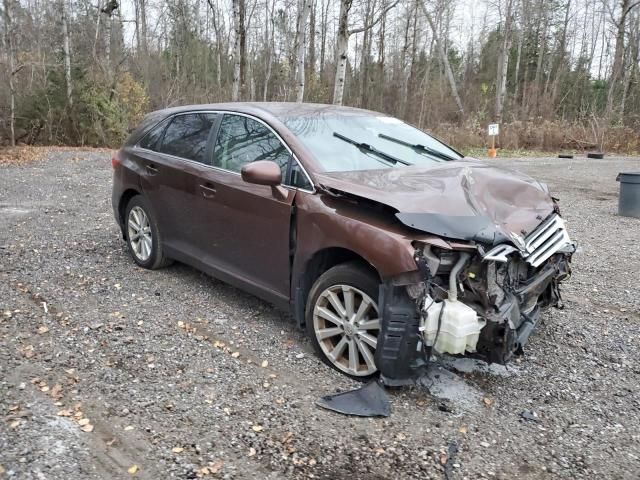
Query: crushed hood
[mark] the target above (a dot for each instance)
(462, 199)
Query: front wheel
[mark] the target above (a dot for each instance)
(343, 320)
(142, 235)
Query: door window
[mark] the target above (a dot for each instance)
(187, 136)
(242, 140)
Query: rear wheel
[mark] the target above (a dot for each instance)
(342, 319)
(142, 235)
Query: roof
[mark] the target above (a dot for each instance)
(279, 110)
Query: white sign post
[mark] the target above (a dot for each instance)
(493, 130)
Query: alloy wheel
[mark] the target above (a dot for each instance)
(140, 237)
(346, 323)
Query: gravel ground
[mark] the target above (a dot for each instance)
(111, 371)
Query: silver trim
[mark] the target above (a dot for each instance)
(548, 238)
(499, 253)
(229, 112)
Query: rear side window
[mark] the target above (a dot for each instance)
(150, 141)
(187, 136)
(242, 140)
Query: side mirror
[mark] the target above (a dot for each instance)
(262, 172)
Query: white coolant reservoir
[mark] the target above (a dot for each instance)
(459, 326)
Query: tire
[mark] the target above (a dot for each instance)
(353, 341)
(138, 213)
(595, 155)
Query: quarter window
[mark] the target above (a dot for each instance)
(187, 135)
(150, 141)
(242, 140)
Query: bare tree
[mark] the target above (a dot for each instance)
(235, 89)
(8, 40)
(342, 44)
(503, 61)
(304, 9)
(66, 52)
(445, 59)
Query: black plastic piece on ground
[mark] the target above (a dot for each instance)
(565, 155)
(368, 401)
(596, 155)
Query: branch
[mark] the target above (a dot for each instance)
(375, 21)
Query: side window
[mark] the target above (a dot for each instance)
(187, 135)
(150, 140)
(298, 178)
(242, 140)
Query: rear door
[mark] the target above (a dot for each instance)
(247, 226)
(169, 174)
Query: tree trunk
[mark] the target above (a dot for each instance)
(66, 52)
(503, 63)
(445, 60)
(323, 35)
(235, 88)
(304, 8)
(342, 45)
(8, 32)
(311, 63)
(242, 32)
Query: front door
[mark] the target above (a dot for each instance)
(246, 227)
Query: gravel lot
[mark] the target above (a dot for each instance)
(110, 371)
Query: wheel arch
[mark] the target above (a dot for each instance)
(316, 265)
(126, 196)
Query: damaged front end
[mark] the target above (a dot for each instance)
(467, 298)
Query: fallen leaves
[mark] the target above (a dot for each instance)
(257, 428)
(212, 468)
(84, 421)
(87, 428)
(462, 429)
(43, 329)
(488, 401)
(177, 449)
(252, 452)
(264, 364)
(235, 354)
(133, 469)
(27, 351)
(25, 154)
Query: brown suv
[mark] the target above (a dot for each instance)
(385, 243)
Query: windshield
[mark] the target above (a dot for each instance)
(387, 135)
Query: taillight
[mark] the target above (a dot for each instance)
(115, 160)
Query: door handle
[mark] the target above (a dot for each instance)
(208, 190)
(151, 168)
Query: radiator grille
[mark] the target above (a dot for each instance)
(545, 240)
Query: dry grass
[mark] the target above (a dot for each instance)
(541, 136)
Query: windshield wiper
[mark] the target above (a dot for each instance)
(418, 148)
(368, 148)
